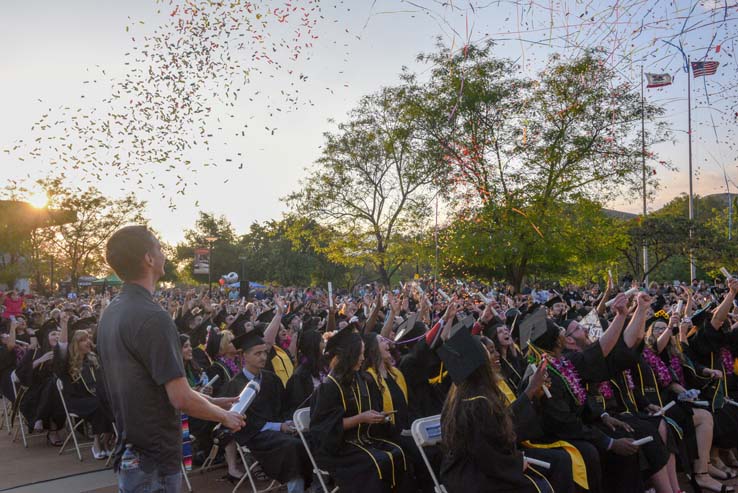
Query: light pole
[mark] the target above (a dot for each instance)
(210, 240)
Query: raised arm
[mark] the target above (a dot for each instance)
(389, 321)
(636, 329)
(602, 306)
(270, 334)
(10, 344)
(371, 321)
(610, 337)
(724, 308)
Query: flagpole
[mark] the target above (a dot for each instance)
(643, 157)
(692, 269)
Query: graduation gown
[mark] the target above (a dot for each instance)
(224, 375)
(300, 388)
(427, 381)
(39, 398)
(483, 466)
(281, 455)
(363, 459)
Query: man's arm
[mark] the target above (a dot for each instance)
(635, 331)
(182, 397)
(610, 337)
(722, 311)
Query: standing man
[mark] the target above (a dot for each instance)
(144, 374)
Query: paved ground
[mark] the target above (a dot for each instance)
(40, 469)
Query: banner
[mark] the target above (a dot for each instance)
(592, 323)
(202, 261)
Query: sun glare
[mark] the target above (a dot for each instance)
(38, 200)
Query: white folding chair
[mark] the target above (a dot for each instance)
(243, 451)
(6, 415)
(186, 479)
(73, 423)
(426, 433)
(301, 419)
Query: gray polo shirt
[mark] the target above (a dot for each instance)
(140, 351)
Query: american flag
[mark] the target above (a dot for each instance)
(701, 69)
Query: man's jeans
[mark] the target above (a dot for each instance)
(138, 481)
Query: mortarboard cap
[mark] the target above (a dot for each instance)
(406, 327)
(212, 345)
(86, 323)
(532, 326)
(266, 315)
(462, 354)
(553, 300)
(340, 340)
(247, 340)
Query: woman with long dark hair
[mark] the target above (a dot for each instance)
(311, 371)
(350, 431)
(477, 429)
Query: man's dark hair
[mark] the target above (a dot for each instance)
(126, 249)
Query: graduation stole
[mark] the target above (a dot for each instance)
(387, 404)
(507, 391)
(441, 375)
(282, 365)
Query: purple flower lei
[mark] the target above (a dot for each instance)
(566, 369)
(606, 390)
(662, 372)
(727, 357)
(676, 366)
(231, 364)
(629, 379)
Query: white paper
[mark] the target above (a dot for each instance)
(643, 441)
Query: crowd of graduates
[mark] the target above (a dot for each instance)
(576, 377)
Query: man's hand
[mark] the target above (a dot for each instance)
(717, 374)
(534, 390)
(233, 421)
(624, 446)
(287, 427)
(643, 300)
(733, 286)
(652, 409)
(620, 305)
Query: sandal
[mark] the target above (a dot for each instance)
(723, 488)
(54, 443)
(97, 454)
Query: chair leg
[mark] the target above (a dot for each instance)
(247, 472)
(186, 479)
(22, 427)
(74, 438)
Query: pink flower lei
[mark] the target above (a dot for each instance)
(662, 372)
(727, 358)
(566, 370)
(676, 366)
(629, 379)
(233, 364)
(606, 390)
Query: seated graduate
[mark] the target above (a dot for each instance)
(224, 355)
(351, 433)
(562, 415)
(39, 399)
(268, 435)
(478, 434)
(79, 370)
(10, 354)
(280, 360)
(311, 371)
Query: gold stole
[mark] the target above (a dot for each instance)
(282, 365)
(387, 403)
(578, 468)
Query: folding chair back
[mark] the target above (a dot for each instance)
(73, 422)
(426, 433)
(301, 419)
(15, 381)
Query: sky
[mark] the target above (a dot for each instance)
(51, 52)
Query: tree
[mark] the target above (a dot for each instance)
(372, 184)
(78, 247)
(520, 152)
(224, 249)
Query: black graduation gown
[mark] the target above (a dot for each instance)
(39, 398)
(427, 381)
(484, 467)
(364, 459)
(281, 455)
(299, 388)
(85, 396)
(7, 365)
(513, 368)
(224, 376)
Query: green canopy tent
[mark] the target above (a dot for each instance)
(111, 280)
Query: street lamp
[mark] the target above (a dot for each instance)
(210, 240)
